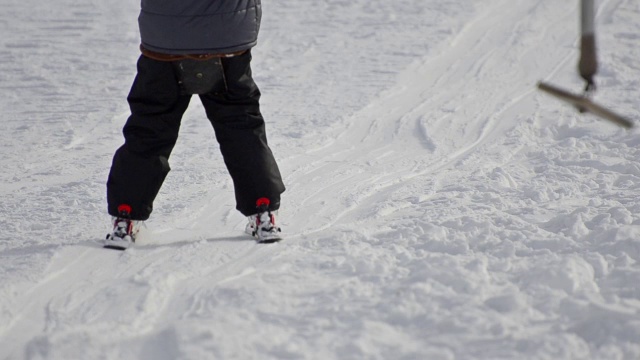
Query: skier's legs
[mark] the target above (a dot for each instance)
(234, 112)
(142, 163)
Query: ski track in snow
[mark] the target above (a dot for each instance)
(438, 207)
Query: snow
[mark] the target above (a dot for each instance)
(438, 206)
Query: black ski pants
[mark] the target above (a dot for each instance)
(158, 100)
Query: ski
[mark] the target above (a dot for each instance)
(114, 243)
(269, 241)
(114, 247)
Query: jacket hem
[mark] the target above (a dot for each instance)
(189, 51)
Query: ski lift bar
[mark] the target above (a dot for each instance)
(587, 67)
(585, 104)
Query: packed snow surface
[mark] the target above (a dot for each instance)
(437, 205)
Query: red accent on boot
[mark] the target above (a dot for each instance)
(124, 208)
(263, 201)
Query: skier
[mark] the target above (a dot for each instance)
(194, 47)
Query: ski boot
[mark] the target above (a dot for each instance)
(262, 225)
(124, 230)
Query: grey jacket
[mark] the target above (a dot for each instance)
(199, 26)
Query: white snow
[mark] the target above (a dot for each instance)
(438, 206)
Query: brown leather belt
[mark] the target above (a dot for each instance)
(177, 57)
